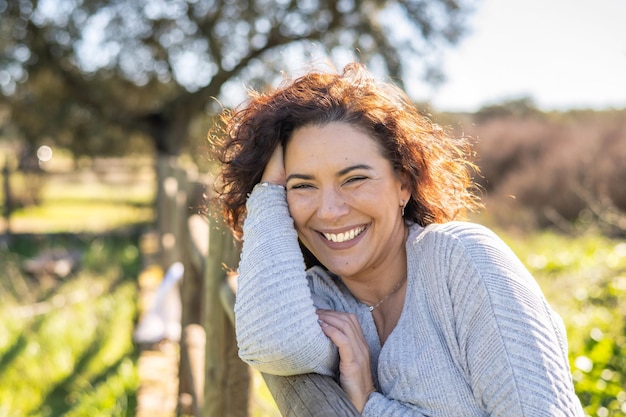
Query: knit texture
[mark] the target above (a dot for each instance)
(476, 336)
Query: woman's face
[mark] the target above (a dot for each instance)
(345, 199)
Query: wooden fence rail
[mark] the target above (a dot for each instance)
(210, 370)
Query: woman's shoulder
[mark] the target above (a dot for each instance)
(467, 245)
(461, 232)
(458, 240)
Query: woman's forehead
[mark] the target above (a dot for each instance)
(334, 145)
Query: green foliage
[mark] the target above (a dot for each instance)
(585, 281)
(65, 344)
(107, 77)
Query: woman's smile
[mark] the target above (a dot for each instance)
(346, 236)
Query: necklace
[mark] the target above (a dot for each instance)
(393, 290)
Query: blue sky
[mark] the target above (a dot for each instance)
(564, 54)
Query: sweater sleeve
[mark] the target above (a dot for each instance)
(276, 323)
(514, 345)
(379, 405)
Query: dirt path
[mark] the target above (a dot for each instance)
(158, 375)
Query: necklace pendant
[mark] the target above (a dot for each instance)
(371, 308)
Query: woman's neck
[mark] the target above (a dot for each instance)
(372, 286)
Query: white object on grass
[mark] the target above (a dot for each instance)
(162, 320)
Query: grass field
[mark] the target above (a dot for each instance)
(584, 279)
(65, 343)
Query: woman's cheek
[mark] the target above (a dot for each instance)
(297, 207)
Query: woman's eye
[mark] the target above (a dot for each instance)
(302, 186)
(355, 179)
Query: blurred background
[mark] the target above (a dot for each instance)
(105, 107)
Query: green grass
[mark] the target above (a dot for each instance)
(584, 279)
(93, 196)
(79, 216)
(78, 199)
(65, 346)
(66, 343)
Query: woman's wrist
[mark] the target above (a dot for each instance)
(270, 184)
(367, 398)
(361, 405)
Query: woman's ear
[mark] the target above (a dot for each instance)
(405, 186)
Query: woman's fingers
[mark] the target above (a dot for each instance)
(275, 169)
(355, 373)
(344, 339)
(345, 331)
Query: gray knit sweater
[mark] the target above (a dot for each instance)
(476, 336)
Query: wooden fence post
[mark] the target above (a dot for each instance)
(195, 244)
(194, 241)
(227, 379)
(191, 370)
(170, 197)
(309, 395)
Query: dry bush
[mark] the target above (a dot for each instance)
(552, 169)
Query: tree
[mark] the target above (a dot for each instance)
(97, 76)
(522, 107)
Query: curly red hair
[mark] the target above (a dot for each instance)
(437, 166)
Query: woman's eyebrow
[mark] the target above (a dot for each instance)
(352, 168)
(342, 172)
(299, 176)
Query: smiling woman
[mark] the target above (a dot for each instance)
(355, 263)
(335, 178)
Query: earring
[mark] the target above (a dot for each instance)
(403, 206)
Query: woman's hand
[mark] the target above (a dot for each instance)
(275, 169)
(354, 357)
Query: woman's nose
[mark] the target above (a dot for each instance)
(332, 205)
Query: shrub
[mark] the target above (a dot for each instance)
(553, 169)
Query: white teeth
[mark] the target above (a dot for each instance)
(345, 236)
